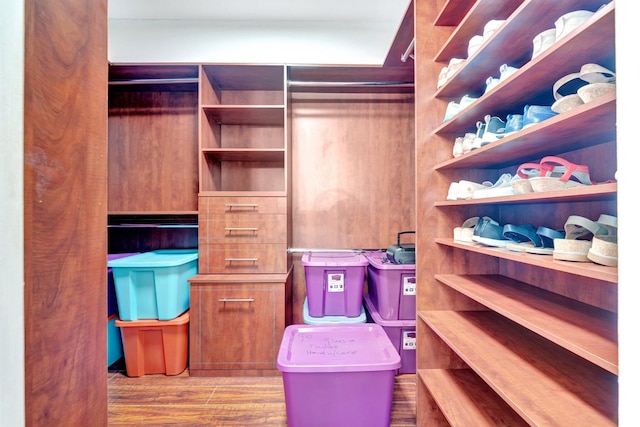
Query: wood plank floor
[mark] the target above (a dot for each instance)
(160, 400)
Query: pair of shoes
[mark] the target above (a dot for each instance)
(463, 190)
(492, 129)
(476, 41)
(447, 72)
(489, 232)
(513, 124)
(534, 114)
(502, 187)
(556, 173)
(580, 235)
(570, 21)
(575, 89)
(562, 26)
(528, 238)
(491, 27)
(464, 233)
(463, 144)
(454, 107)
(506, 71)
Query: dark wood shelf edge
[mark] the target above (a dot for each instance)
(584, 269)
(564, 321)
(515, 364)
(475, 403)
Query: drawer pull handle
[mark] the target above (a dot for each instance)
(241, 229)
(236, 300)
(241, 205)
(241, 259)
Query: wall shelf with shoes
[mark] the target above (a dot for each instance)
(530, 292)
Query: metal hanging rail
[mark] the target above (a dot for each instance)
(409, 52)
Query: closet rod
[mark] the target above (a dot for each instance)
(153, 81)
(349, 84)
(303, 250)
(408, 53)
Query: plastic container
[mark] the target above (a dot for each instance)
(401, 333)
(112, 302)
(155, 346)
(153, 285)
(340, 375)
(334, 282)
(331, 320)
(114, 341)
(392, 287)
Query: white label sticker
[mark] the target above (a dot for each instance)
(335, 282)
(409, 286)
(408, 340)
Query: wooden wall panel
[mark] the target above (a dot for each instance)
(149, 134)
(353, 173)
(65, 212)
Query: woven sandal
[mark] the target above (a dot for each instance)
(464, 233)
(573, 175)
(604, 247)
(574, 247)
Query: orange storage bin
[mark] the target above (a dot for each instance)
(155, 346)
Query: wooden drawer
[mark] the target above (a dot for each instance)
(237, 322)
(242, 258)
(211, 205)
(242, 228)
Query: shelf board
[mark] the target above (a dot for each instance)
(591, 193)
(517, 365)
(578, 128)
(584, 269)
(587, 331)
(248, 193)
(246, 154)
(257, 115)
(452, 12)
(475, 403)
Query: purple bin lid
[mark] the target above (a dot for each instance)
(380, 261)
(400, 323)
(334, 259)
(340, 348)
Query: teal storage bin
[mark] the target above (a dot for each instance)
(154, 285)
(114, 341)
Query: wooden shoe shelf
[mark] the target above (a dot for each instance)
(509, 338)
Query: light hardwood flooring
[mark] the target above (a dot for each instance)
(161, 400)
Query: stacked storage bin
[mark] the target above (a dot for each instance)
(152, 292)
(114, 341)
(391, 303)
(334, 285)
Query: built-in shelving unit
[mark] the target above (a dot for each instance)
(504, 337)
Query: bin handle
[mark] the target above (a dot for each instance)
(404, 232)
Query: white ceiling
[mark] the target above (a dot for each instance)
(283, 31)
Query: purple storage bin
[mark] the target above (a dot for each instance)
(340, 375)
(392, 287)
(335, 282)
(112, 302)
(401, 333)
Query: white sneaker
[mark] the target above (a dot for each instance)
(502, 187)
(465, 189)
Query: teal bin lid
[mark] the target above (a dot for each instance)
(330, 320)
(157, 258)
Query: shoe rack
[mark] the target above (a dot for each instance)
(504, 337)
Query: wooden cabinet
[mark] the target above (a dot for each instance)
(508, 338)
(243, 235)
(237, 322)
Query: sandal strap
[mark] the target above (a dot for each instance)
(594, 73)
(580, 172)
(578, 226)
(548, 234)
(609, 223)
(470, 222)
(522, 233)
